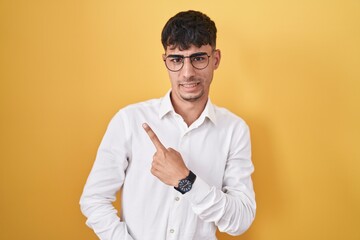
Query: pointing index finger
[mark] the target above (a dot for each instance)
(155, 140)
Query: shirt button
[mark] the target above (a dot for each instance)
(172, 230)
(177, 199)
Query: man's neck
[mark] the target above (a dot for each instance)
(189, 111)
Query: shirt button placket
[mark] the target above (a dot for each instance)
(176, 212)
(175, 216)
(171, 234)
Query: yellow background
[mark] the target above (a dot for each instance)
(291, 69)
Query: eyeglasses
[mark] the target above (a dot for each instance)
(198, 60)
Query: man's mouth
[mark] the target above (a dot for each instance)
(189, 85)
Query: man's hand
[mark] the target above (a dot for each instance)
(167, 165)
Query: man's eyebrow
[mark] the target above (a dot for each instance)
(198, 54)
(175, 55)
(192, 55)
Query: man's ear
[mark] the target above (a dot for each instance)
(217, 58)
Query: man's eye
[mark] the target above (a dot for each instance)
(198, 59)
(176, 60)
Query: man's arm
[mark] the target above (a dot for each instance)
(231, 208)
(105, 180)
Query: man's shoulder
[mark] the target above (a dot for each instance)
(226, 116)
(146, 107)
(150, 103)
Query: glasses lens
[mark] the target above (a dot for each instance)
(174, 63)
(200, 61)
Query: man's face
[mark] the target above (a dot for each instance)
(190, 84)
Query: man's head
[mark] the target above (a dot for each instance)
(189, 28)
(189, 40)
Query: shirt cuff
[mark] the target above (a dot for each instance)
(200, 189)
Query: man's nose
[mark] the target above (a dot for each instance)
(188, 69)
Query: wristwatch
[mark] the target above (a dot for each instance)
(185, 184)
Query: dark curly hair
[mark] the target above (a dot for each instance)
(189, 28)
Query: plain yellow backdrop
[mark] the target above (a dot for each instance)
(291, 69)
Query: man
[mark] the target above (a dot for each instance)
(183, 164)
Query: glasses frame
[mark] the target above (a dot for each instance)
(198, 54)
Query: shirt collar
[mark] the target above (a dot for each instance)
(167, 107)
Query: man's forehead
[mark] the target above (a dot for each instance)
(192, 49)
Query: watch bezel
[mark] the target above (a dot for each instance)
(185, 185)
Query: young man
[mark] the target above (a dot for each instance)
(183, 164)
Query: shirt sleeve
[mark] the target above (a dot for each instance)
(105, 180)
(233, 207)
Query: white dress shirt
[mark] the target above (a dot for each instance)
(216, 147)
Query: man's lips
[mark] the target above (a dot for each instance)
(189, 85)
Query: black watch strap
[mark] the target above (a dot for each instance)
(191, 177)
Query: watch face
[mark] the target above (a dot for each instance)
(185, 185)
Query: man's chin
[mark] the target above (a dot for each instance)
(191, 97)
